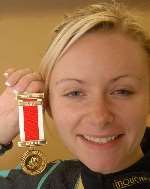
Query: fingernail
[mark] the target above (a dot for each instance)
(5, 74)
(15, 91)
(7, 84)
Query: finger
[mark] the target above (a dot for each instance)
(35, 87)
(25, 81)
(38, 87)
(16, 76)
(8, 72)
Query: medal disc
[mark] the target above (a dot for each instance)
(33, 162)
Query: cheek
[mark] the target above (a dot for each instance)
(66, 121)
(133, 119)
(135, 111)
(65, 117)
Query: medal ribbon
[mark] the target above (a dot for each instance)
(31, 121)
(31, 129)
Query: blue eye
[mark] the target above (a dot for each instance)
(74, 94)
(123, 92)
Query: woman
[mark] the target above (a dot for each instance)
(96, 81)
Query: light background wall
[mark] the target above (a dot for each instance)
(25, 32)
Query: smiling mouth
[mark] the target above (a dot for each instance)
(101, 140)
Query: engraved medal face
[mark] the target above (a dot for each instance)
(33, 162)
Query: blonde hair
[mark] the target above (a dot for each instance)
(105, 17)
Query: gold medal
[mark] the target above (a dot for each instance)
(30, 107)
(33, 162)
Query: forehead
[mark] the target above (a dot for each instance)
(111, 52)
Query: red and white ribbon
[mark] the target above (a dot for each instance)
(31, 122)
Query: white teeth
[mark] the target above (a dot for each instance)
(100, 140)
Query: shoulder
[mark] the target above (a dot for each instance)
(58, 174)
(64, 174)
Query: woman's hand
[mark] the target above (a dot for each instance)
(23, 80)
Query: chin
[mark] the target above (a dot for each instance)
(104, 167)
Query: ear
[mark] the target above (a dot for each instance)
(48, 107)
(149, 103)
(148, 121)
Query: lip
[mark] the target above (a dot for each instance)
(96, 146)
(102, 136)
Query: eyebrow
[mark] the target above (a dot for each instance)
(82, 82)
(69, 79)
(126, 75)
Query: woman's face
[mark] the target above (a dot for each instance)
(99, 96)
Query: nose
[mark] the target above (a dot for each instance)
(100, 113)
